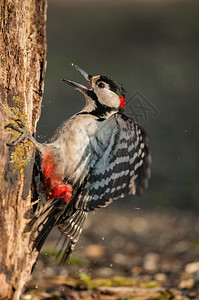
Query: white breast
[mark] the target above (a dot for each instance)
(76, 148)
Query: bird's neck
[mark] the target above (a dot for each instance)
(99, 112)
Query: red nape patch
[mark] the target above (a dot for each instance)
(53, 183)
(122, 102)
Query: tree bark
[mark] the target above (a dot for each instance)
(22, 69)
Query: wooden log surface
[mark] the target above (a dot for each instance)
(22, 70)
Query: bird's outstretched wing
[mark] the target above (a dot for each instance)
(124, 167)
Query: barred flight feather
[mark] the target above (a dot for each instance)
(123, 169)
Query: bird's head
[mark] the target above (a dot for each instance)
(103, 97)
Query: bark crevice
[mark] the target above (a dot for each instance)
(22, 70)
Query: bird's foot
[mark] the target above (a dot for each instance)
(20, 127)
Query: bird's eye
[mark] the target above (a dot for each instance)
(101, 85)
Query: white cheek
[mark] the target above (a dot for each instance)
(108, 98)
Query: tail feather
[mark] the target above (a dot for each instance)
(73, 225)
(69, 248)
(54, 212)
(46, 217)
(72, 228)
(69, 221)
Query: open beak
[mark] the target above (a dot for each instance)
(77, 86)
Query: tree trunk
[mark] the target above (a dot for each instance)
(22, 69)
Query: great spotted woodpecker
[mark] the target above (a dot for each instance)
(95, 157)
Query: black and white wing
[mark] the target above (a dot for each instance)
(123, 168)
(68, 219)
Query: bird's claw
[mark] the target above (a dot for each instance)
(20, 127)
(20, 123)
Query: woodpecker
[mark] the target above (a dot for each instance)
(95, 157)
